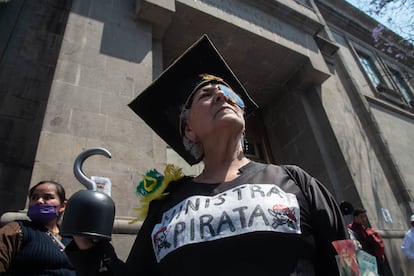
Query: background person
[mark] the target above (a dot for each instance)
(94, 257)
(238, 217)
(35, 247)
(89, 219)
(369, 239)
(407, 247)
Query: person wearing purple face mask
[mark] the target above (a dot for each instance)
(35, 247)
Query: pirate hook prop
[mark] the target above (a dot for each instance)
(89, 213)
(77, 167)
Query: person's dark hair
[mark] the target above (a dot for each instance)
(359, 211)
(59, 189)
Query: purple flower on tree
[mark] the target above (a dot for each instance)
(377, 31)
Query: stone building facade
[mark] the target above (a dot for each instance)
(330, 101)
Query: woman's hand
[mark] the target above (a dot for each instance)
(83, 243)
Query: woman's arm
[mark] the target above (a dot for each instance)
(11, 239)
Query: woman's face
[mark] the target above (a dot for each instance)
(215, 108)
(46, 194)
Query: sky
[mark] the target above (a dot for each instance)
(401, 20)
(361, 4)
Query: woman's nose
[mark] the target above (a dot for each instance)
(40, 200)
(220, 96)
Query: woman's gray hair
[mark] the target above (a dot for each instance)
(194, 148)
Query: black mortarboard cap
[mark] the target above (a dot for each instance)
(160, 104)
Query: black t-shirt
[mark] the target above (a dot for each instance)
(271, 220)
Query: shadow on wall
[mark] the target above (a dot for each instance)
(31, 34)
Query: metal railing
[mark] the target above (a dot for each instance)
(121, 224)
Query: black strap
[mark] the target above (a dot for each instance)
(246, 171)
(252, 168)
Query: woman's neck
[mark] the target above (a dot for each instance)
(53, 227)
(217, 172)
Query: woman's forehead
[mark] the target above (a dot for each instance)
(209, 85)
(45, 188)
(225, 89)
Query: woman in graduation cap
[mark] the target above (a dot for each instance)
(238, 217)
